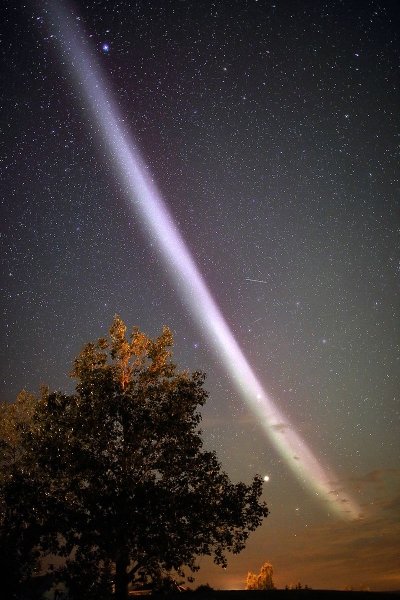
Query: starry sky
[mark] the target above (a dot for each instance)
(272, 130)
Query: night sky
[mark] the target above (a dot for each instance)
(272, 131)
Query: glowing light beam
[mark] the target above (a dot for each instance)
(147, 202)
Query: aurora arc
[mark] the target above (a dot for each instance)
(147, 202)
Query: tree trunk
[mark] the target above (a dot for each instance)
(121, 576)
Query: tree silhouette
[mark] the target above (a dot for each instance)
(114, 478)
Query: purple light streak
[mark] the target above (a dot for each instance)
(146, 201)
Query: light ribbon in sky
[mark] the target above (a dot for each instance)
(148, 204)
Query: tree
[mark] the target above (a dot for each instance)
(124, 490)
(262, 581)
(251, 581)
(18, 554)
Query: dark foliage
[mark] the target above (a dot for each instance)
(114, 480)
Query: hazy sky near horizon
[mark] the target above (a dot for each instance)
(272, 131)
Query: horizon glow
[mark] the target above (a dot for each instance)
(146, 201)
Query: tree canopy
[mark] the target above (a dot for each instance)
(113, 479)
(262, 581)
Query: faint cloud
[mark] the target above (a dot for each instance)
(375, 476)
(280, 427)
(335, 555)
(371, 477)
(393, 504)
(375, 491)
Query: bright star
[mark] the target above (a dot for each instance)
(105, 47)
